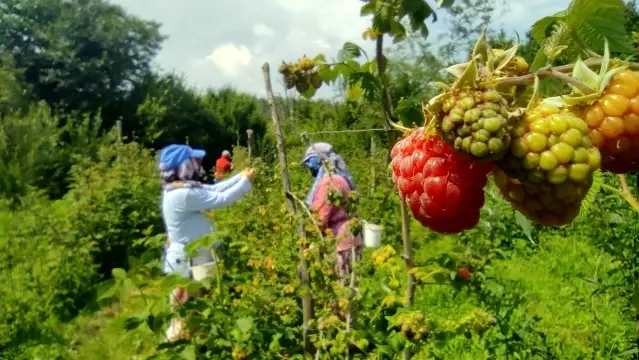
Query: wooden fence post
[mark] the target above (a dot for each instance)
(307, 301)
(249, 134)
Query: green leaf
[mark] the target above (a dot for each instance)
(635, 298)
(367, 9)
(107, 290)
(592, 21)
(525, 224)
(189, 352)
(445, 3)
(349, 51)
(118, 273)
(540, 28)
(371, 86)
(133, 323)
(245, 324)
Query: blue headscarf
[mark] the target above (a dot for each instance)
(313, 158)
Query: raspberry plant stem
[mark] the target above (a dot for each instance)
(558, 72)
(406, 238)
(624, 193)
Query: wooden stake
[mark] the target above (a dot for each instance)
(373, 163)
(307, 301)
(249, 134)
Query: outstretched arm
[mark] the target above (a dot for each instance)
(225, 184)
(203, 199)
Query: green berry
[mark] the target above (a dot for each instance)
(579, 172)
(558, 124)
(496, 145)
(466, 103)
(580, 156)
(572, 137)
(531, 161)
(541, 126)
(563, 152)
(472, 115)
(447, 125)
(492, 124)
(519, 148)
(558, 175)
(536, 142)
(548, 160)
(481, 135)
(479, 149)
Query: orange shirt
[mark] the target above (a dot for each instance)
(222, 167)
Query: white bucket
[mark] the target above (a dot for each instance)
(203, 271)
(372, 235)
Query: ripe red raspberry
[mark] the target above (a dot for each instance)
(463, 274)
(444, 189)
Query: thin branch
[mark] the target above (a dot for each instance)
(555, 72)
(567, 79)
(292, 196)
(627, 194)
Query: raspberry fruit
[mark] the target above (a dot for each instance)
(544, 203)
(551, 145)
(463, 274)
(443, 188)
(476, 122)
(614, 123)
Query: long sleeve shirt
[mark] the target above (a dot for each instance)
(182, 207)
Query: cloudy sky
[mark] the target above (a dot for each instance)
(214, 43)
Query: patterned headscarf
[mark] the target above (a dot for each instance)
(320, 154)
(188, 174)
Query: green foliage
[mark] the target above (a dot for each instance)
(94, 50)
(114, 201)
(581, 28)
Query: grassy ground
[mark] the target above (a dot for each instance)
(554, 286)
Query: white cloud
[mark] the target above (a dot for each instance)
(260, 29)
(232, 51)
(230, 58)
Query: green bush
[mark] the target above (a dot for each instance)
(113, 202)
(47, 276)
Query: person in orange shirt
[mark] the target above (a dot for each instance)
(223, 165)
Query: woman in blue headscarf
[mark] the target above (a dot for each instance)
(184, 199)
(331, 174)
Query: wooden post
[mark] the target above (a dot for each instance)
(118, 125)
(307, 301)
(249, 142)
(373, 164)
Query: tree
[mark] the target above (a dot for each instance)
(77, 55)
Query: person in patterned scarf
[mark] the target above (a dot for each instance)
(331, 174)
(184, 199)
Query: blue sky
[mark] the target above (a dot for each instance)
(215, 43)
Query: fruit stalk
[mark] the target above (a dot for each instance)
(554, 72)
(626, 193)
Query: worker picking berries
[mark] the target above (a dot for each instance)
(331, 176)
(184, 199)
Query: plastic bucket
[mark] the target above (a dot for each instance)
(372, 235)
(203, 271)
